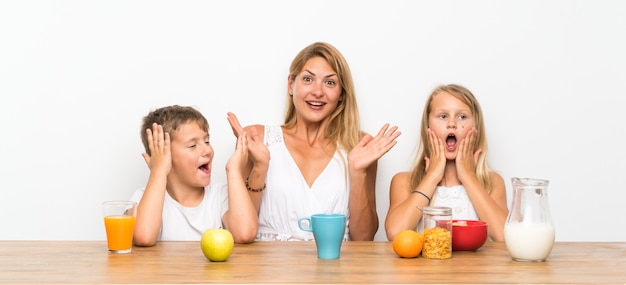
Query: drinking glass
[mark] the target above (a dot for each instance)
(119, 222)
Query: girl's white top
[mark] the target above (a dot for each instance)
(456, 198)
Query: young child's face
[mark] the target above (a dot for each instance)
(192, 155)
(451, 120)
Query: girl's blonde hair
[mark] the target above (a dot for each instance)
(482, 168)
(344, 126)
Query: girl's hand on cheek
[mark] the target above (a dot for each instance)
(467, 158)
(436, 163)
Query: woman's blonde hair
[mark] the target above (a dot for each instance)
(344, 126)
(482, 168)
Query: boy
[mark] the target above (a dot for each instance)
(179, 202)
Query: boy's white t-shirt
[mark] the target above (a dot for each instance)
(182, 223)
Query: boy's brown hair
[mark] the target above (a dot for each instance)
(171, 117)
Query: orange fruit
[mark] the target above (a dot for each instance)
(408, 243)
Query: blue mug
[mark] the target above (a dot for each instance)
(328, 231)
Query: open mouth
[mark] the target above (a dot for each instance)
(204, 168)
(451, 142)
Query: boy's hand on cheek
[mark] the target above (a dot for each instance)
(160, 148)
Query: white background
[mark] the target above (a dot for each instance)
(76, 78)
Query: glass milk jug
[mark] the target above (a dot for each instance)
(528, 231)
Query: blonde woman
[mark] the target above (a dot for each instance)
(451, 167)
(321, 161)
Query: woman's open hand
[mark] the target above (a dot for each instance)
(370, 149)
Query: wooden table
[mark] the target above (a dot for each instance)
(88, 262)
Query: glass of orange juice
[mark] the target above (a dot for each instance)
(119, 221)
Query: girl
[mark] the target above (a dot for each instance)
(451, 168)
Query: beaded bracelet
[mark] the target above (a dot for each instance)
(421, 193)
(254, 190)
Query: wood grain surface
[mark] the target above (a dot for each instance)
(88, 262)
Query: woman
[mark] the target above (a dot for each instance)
(321, 161)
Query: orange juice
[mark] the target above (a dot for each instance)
(119, 230)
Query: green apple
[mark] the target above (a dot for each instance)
(217, 244)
